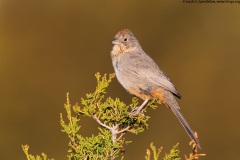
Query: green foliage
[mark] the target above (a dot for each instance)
(115, 119)
(113, 116)
(174, 152)
(31, 157)
(156, 153)
(173, 155)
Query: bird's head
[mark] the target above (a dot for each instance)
(125, 41)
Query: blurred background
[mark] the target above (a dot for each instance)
(49, 48)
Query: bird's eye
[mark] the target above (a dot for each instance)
(125, 39)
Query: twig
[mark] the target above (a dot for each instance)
(74, 143)
(113, 129)
(124, 130)
(120, 137)
(102, 124)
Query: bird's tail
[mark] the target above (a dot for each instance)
(167, 98)
(184, 124)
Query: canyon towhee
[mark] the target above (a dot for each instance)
(141, 76)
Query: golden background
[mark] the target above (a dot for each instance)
(51, 47)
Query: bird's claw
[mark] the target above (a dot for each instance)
(136, 110)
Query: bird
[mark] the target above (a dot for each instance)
(140, 75)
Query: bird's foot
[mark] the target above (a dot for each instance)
(136, 110)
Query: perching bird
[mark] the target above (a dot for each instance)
(141, 76)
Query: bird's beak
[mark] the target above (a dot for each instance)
(115, 41)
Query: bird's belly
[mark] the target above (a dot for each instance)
(134, 84)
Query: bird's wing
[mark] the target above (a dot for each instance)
(148, 68)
